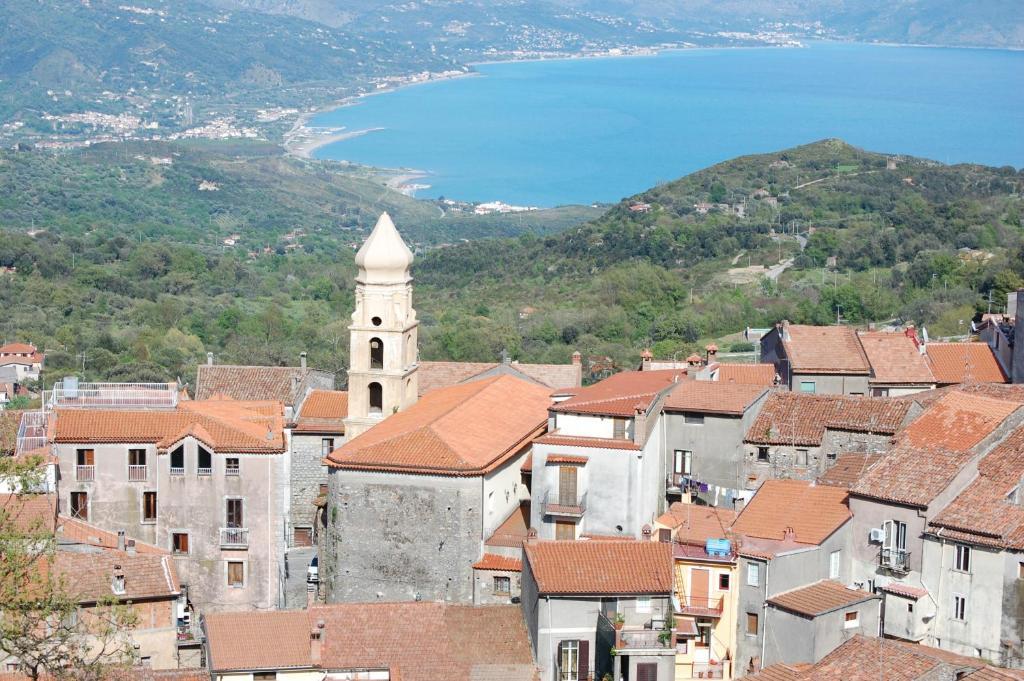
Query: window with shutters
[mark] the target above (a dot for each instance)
(569, 661)
(682, 461)
(619, 428)
(149, 507)
(80, 505)
(565, 529)
(179, 543)
(751, 624)
(567, 485)
(236, 573)
(647, 671)
(851, 620)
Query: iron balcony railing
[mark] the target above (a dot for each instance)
(85, 473)
(234, 537)
(137, 473)
(700, 606)
(72, 393)
(556, 504)
(31, 431)
(897, 560)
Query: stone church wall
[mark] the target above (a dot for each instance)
(394, 536)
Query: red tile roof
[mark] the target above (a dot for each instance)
(323, 411)
(75, 531)
(621, 394)
(600, 567)
(225, 425)
(905, 590)
(434, 375)
(492, 561)
(964, 362)
(34, 514)
(256, 383)
(819, 598)
(958, 421)
(466, 642)
(750, 374)
(812, 512)
(467, 429)
(512, 532)
(566, 458)
(693, 524)
(848, 469)
(824, 350)
(799, 419)
(870, 659)
(713, 397)
(895, 359)
(556, 438)
(89, 575)
(17, 349)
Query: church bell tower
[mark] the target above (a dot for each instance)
(383, 335)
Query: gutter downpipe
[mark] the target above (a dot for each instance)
(764, 635)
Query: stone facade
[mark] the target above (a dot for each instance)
(810, 462)
(307, 474)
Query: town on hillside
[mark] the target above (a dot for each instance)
(849, 505)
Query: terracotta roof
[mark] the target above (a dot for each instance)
(799, 419)
(693, 524)
(36, 358)
(905, 590)
(527, 466)
(933, 448)
(225, 425)
(434, 375)
(713, 397)
(848, 469)
(895, 359)
(824, 350)
(255, 383)
(686, 626)
(819, 598)
(812, 511)
(963, 362)
(870, 659)
(512, 532)
(750, 374)
(556, 438)
(600, 567)
(984, 513)
(466, 643)
(17, 348)
(492, 561)
(781, 672)
(29, 513)
(75, 531)
(566, 458)
(466, 429)
(89, 575)
(620, 394)
(323, 411)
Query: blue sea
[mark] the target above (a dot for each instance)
(557, 132)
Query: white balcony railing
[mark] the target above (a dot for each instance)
(72, 393)
(31, 431)
(177, 471)
(204, 471)
(234, 537)
(137, 473)
(85, 473)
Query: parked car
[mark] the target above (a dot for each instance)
(313, 573)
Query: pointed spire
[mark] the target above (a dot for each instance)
(384, 258)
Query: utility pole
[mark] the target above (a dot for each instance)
(990, 301)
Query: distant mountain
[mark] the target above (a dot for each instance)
(987, 23)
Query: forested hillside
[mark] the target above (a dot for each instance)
(919, 241)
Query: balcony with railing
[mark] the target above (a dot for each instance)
(177, 470)
(234, 537)
(681, 551)
(70, 393)
(572, 506)
(137, 473)
(698, 606)
(897, 560)
(85, 473)
(673, 483)
(711, 670)
(31, 431)
(189, 634)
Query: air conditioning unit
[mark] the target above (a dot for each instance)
(876, 534)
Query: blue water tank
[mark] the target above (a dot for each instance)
(718, 547)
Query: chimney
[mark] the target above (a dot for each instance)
(577, 358)
(1017, 370)
(129, 546)
(639, 424)
(302, 359)
(209, 359)
(531, 533)
(646, 531)
(789, 535)
(712, 351)
(120, 540)
(316, 642)
(645, 359)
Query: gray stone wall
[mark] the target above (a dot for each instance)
(307, 474)
(392, 536)
(483, 587)
(788, 462)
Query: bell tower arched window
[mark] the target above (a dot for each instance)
(376, 398)
(376, 353)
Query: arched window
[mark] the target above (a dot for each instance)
(376, 398)
(376, 353)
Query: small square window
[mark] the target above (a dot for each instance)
(723, 581)
(807, 387)
(326, 446)
(236, 573)
(852, 620)
(643, 604)
(693, 419)
(762, 454)
(801, 457)
(502, 585)
(179, 543)
(910, 606)
(751, 624)
(231, 466)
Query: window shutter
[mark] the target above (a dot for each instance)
(584, 664)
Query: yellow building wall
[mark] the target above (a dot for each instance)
(723, 630)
